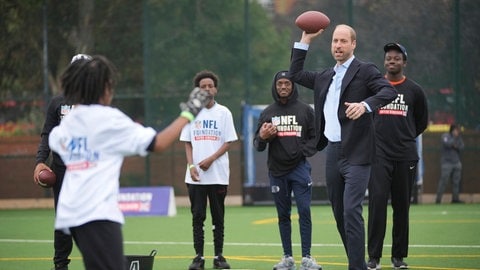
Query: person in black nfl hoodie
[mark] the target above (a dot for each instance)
(287, 126)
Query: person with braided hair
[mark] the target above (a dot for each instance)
(92, 141)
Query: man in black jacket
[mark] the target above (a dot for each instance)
(286, 126)
(344, 97)
(57, 109)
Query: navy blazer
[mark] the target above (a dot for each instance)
(362, 82)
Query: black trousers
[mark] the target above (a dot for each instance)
(393, 179)
(101, 245)
(198, 195)
(62, 243)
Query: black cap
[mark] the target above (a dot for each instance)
(396, 47)
(282, 74)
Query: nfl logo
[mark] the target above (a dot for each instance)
(64, 110)
(276, 120)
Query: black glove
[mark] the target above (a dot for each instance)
(197, 100)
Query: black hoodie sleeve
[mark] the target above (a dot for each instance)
(258, 142)
(52, 119)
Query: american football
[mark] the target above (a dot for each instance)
(46, 178)
(312, 21)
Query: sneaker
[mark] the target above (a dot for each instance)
(61, 266)
(398, 263)
(219, 262)
(287, 263)
(373, 264)
(198, 263)
(309, 263)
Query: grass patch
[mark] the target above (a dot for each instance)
(441, 237)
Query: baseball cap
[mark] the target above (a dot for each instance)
(397, 47)
(282, 74)
(80, 56)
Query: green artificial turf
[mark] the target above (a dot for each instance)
(441, 237)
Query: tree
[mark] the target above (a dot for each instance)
(158, 45)
(184, 37)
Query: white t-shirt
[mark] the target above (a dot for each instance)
(92, 142)
(207, 133)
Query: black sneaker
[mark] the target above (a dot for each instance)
(398, 263)
(198, 263)
(61, 266)
(219, 262)
(373, 264)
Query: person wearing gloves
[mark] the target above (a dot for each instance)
(92, 141)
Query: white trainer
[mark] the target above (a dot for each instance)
(309, 263)
(287, 263)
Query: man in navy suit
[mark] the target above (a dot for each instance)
(344, 97)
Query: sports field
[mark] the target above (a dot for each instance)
(441, 237)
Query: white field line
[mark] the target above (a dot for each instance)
(232, 244)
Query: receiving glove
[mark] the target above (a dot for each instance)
(197, 100)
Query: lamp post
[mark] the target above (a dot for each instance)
(46, 94)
